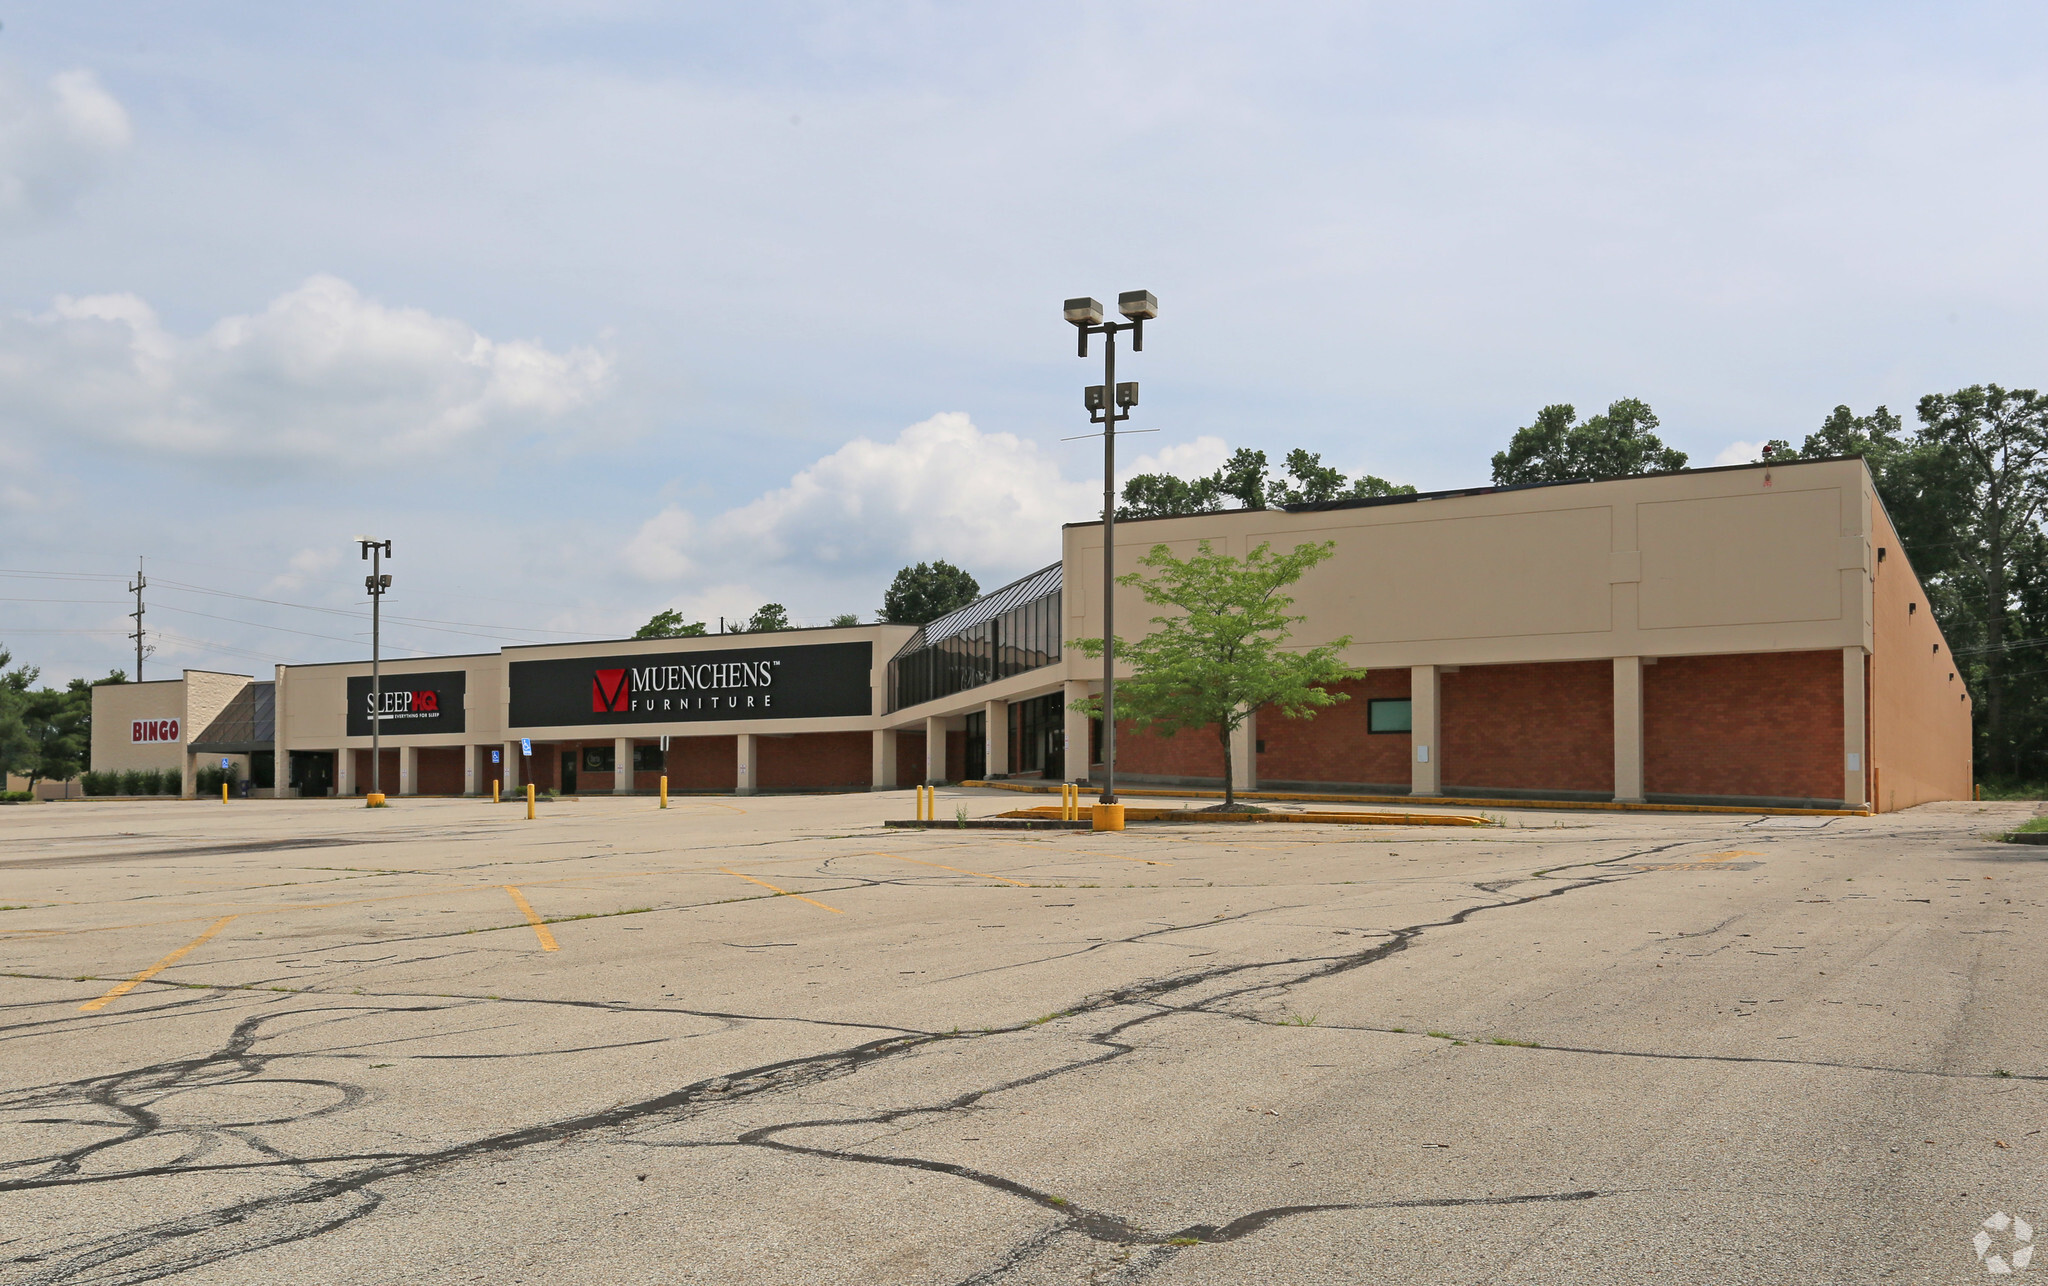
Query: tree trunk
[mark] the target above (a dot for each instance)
(1229, 770)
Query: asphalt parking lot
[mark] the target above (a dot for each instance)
(768, 1041)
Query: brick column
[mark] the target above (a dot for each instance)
(408, 770)
(1628, 729)
(882, 763)
(1075, 748)
(1425, 691)
(622, 766)
(1244, 754)
(749, 764)
(1855, 772)
(934, 750)
(995, 722)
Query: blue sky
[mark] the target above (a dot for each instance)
(600, 308)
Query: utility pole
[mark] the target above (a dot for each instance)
(1107, 403)
(376, 582)
(141, 583)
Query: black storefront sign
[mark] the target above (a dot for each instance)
(414, 704)
(809, 681)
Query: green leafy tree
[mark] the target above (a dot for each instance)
(845, 619)
(1243, 478)
(923, 593)
(1161, 495)
(670, 625)
(1222, 652)
(1620, 442)
(18, 746)
(1986, 449)
(768, 618)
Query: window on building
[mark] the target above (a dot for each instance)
(1390, 714)
(597, 759)
(647, 759)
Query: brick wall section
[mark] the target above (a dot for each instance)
(1192, 752)
(1763, 724)
(909, 760)
(1335, 746)
(387, 761)
(440, 770)
(816, 761)
(956, 756)
(703, 763)
(1545, 726)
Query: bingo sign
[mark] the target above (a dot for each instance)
(150, 732)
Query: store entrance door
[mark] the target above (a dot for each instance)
(568, 772)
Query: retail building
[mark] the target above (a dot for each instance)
(1752, 635)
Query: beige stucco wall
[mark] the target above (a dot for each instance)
(1738, 560)
(116, 707)
(1919, 709)
(313, 701)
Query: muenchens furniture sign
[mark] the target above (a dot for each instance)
(809, 681)
(413, 704)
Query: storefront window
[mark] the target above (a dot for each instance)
(597, 759)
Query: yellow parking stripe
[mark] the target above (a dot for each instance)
(785, 892)
(981, 875)
(547, 940)
(155, 969)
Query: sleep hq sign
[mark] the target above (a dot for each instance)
(807, 681)
(410, 704)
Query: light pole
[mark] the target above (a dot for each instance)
(1109, 402)
(376, 582)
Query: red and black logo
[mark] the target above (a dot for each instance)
(427, 701)
(608, 691)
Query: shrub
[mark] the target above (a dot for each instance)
(131, 783)
(16, 797)
(99, 783)
(211, 778)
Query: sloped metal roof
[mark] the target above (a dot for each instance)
(247, 722)
(1038, 584)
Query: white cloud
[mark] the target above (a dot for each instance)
(1740, 453)
(55, 142)
(320, 374)
(1203, 456)
(306, 567)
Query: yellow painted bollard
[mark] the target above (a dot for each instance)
(223, 792)
(529, 801)
(1108, 817)
(664, 790)
(494, 791)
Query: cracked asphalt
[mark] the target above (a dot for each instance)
(769, 1041)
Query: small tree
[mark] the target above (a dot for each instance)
(845, 619)
(670, 625)
(1222, 654)
(922, 594)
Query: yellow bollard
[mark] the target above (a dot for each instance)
(1108, 817)
(529, 801)
(664, 790)
(494, 790)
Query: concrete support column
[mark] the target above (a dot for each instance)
(749, 764)
(1244, 754)
(1425, 695)
(408, 770)
(280, 752)
(472, 770)
(514, 769)
(1074, 744)
(190, 789)
(344, 772)
(995, 722)
(622, 766)
(1628, 730)
(934, 751)
(882, 760)
(1856, 773)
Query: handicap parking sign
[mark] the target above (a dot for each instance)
(526, 745)
(225, 765)
(495, 754)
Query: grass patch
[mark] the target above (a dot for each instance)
(23, 907)
(2031, 827)
(1042, 1021)
(2001, 1072)
(1440, 1035)
(1299, 1020)
(2011, 790)
(1518, 1044)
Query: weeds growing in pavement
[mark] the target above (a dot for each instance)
(1518, 1044)
(1299, 1020)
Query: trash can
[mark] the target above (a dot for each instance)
(242, 788)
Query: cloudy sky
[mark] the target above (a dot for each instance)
(598, 308)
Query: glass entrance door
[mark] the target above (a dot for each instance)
(568, 772)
